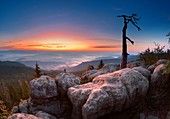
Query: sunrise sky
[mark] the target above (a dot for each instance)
(81, 25)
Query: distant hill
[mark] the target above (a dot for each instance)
(13, 71)
(46, 65)
(95, 63)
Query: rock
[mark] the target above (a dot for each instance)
(143, 116)
(67, 80)
(168, 115)
(43, 88)
(151, 68)
(108, 68)
(45, 97)
(88, 74)
(108, 93)
(23, 106)
(146, 73)
(136, 64)
(23, 116)
(159, 93)
(57, 107)
(15, 109)
(158, 75)
(161, 61)
(44, 115)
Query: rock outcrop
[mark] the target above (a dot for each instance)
(45, 100)
(107, 68)
(108, 93)
(130, 93)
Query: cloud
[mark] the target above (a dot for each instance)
(103, 39)
(35, 45)
(47, 45)
(6, 47)
(106, 46)
(60, 41)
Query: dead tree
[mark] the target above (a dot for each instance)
(133, 19)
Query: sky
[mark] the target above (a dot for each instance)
(81, 25)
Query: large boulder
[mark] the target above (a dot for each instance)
(65, 81)
(23, 116)
(161, 61)
(159, 92)
(43, 88)
(108, 68)
(108, 93)
(145, 72)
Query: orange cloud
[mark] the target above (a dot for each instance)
(60, 41)
(106, 46)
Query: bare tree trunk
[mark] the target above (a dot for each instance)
(133, 19)
(124, 47)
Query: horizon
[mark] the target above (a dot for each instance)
(81, 26)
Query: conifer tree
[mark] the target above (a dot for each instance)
(101, 64)
(37, 71)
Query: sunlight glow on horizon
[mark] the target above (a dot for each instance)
(72, 41)
(55, 41)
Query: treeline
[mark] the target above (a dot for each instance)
(151, 56)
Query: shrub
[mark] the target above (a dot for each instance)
(152, 56)
(90, 67)
(84, 80)
(4, 113)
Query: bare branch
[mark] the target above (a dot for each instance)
(122, 16)
(134, 14)
(135, 25)
(130, 40)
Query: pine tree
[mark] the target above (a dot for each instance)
(37, 71)
(101, 64)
